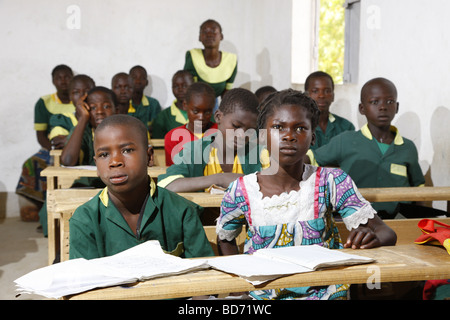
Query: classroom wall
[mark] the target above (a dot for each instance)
(404, 40)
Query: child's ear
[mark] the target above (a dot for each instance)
(218, 116)
(398, 106)
(313, 139)
(361, 109)
(150, 153)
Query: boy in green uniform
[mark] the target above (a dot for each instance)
(320, 87)
(141, 106)
(211, 160)
(132, 209)
(377, 155)
(121, 87)
(176, 114)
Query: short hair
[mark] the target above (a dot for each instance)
(239, 98)
(127, 121)
(138, 67)
(213, 21)
(109, 92)
(200, 88)
(120, 74)
(264, 90)
(183, 72)
(377, 80)
(61, 67)
(318, 74)
(286, 97)
(82, 77)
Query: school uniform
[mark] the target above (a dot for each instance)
(45, 107)
(198, 158)
(98, 229)
(335, 126)
(372, 164)
(175, 139)
(61, 124)
(220, 78)
(146, 111)
(167, 120)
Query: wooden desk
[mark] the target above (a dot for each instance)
(156, 143)
(53, 174)
(409, 262)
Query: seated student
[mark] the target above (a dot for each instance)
(98, 104)
(121, 87)
(320, 86)
(141, 106)
(61, 124)
(220, 158)
(199, 105)
(31, 185)
(262, 92)
(377, 155)
(176, 114)
(132, 209)
(210, 64)
(293, 205)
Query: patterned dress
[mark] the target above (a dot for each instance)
(302, 217)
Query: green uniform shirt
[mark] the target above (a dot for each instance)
(192, 160)
(45, 107)
(146, 111)
(61, 124)
(98, 229)
(168, 119)
(220, 78)
(358, 154)
(335, 126)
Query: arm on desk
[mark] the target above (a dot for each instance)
(192, 184)
(374, 233)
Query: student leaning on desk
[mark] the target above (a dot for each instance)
(132, 209)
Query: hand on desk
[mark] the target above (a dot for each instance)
(374, 233)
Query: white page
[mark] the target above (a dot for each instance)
(313, 256)
(85, 167)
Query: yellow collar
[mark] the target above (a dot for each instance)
(218, 74)
(176, 112)
(144, 102)
(105, 199)
(398, 140)
(214, 166)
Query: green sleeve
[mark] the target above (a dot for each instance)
(82, 243)
(41, 116)
(189, 66)
(330, 153)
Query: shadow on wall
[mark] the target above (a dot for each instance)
(157, 84)
(263, 69)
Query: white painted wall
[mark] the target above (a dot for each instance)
(408, 43)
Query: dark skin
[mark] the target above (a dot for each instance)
(138, 82)
(121, 87)
(180, 83)
(291, 132)
(211, 36)
(122, 156)
(90, 109)
(240, 121)
(321, 90)
(61, 80)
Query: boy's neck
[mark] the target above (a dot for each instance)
(382, 134)
(137, 97)
(131, 202)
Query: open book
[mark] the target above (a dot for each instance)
(268, 264)
(142, 262)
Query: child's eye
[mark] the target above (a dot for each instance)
(277, 127)
(390, 101)
(102, 155)
(374, 102)
(127, 150)
(300, 129)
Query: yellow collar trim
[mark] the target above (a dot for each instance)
(144, 102)
(214, 167)
(398, 140)
(175, 111)
(105, 199)
(218, 74)
(331, 117)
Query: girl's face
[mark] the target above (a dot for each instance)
(289, 134)
(199, 111)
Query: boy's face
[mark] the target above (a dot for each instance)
(199, 110)
(121, 88)
(180, 84)
(240, 123)
(320, 90)
(122, 158)
(78, 89)
(379, 104)
(289, 134)
(138, 79)
(210, 35)
(61, 80)
(101, 106)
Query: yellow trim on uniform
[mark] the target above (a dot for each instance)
(398, 140)
(399, 169)
(165, 182)
(60, 131)
(218, 74)
(213, 166)
(175, 111)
